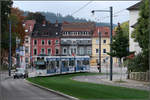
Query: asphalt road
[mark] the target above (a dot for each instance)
(19, 89)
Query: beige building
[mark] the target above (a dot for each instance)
(105, 47)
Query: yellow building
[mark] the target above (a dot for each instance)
(105, 46)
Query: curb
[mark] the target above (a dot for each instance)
(53, 91)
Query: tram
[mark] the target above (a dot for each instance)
(40, 66)
(62, 64)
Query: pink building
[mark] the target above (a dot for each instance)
(25, 57)
(45, 40)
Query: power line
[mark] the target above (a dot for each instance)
(81, 8)
(116, 14)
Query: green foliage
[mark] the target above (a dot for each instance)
(137, 64)
(141, 32)
(125, 28)
(88, 91)
(37, 16)
(5, 11)
(120, 44)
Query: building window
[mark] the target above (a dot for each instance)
(96, 50)
(23, 25)
(26, 30)
(64, 50)
(81, 51)
(89, 51)
(42, 51)
(104, 50)
(35, 42)
(89, 41)
(26, 40)
(56, 51)
(97, 41)
(26, 60)
(26, 50)
(35, 52)
(104, 41)
(56, 41)
(42, 42)
(74, 42)
(73, 50)
(106, 32)
(49, 42)
(49, 51)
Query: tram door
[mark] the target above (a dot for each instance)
(57, 66)
(65, 66)
(51, 67)
(79, 64)
(86, 64)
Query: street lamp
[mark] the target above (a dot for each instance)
(99, 34)
(9, 57)
(111, 28)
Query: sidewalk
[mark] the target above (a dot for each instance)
(105, 79)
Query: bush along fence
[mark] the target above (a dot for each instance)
(140, 76)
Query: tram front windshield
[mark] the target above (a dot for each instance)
(41, 67)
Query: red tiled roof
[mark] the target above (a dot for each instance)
(105, 31)
(88, 26)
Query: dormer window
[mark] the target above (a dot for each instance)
(23, 25)
(43, 25)
(106, 32)
(26, 30)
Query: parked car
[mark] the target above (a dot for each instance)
(20, 73)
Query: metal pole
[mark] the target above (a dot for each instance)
(60, 62)
(9, 69)
(111, 29)
(99, 52)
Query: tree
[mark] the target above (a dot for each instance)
(119, 45)
(6, 5)
(17, 30)
(141, 32)
(125, 28)
(17, 18)
(38, 17)
(5, 12)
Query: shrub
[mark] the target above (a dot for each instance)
(137, 64)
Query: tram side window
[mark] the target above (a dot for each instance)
(79, 63)
(57, 63)
(71, 63)
(52, 64)
(85, 62)
(65, 63)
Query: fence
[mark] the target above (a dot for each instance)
(140, 76)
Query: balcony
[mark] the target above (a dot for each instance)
(78, 42)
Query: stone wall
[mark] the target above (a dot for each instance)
(140, 76)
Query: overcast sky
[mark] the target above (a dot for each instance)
(69, 7)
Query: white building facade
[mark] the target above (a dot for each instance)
(134, 15)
